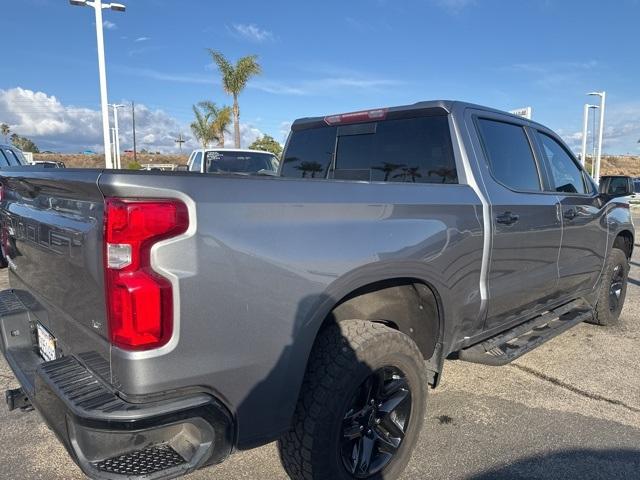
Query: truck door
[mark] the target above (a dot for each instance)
(522, 275)
(584, 236)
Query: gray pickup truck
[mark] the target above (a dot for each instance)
(158, 321)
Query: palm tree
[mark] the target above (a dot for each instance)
(388, 168)
(234, 80)
(5, 130)
(201, 128)
(219, 118)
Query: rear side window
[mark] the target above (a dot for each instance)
(416, 150)
(566, 175)
(309, 153)
(509, 153)
(3, 159)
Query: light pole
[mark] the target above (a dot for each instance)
(596, 170)
(98, 6)
(587, 107)
(116, 139)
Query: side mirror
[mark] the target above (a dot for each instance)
(616, 186)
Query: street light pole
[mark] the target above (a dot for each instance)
(116, 141)
(585, 132)
(596, 170)
(98, 6)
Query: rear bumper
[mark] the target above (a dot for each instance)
(107, 436)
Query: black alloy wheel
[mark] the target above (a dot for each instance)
(375, 422)
(615, 289)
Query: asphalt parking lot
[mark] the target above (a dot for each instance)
(570, 409)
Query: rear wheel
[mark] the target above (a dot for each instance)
(613, 289)
(361, 407)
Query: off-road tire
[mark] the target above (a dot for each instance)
(343, 356)
(603, 313)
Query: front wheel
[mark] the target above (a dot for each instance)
(361, 407)
(613, 289)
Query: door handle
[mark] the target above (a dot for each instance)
(570, 214)
(507, 218)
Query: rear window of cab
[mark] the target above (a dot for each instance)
(405, 150)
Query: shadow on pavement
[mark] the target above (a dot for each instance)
(583, 464)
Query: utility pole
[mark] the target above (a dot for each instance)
(117, 134)
(98, 6)
(596, 170)
(180, 140)
(133, 117)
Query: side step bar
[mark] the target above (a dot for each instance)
(507, 346)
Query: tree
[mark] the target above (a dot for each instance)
(234, 80)
(201, 128)
(219, 119)
(268, 144)
(24, 144)
(5, 130)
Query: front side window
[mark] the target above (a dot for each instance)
(415, 150)
(566, 176)
(509, 154)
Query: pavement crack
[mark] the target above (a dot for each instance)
(576, 390)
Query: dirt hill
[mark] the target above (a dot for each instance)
(97, 161)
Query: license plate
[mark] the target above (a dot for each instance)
(47, 344)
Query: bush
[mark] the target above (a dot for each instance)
(133, 165)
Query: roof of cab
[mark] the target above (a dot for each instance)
(429, 107)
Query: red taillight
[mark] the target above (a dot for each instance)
(355, 117)
(139, 300)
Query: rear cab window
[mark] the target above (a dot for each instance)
(404, 150)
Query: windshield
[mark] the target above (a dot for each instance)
(240, 162)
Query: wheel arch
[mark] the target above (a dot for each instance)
(624, 241)
(409, 305)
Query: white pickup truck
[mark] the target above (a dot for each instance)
(227, 160)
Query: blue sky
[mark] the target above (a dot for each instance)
(318, 57)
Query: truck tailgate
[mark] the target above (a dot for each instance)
(52, 232)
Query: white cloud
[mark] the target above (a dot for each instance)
(621, 131)
(55, 126)
(109, 25)
(251, 32)
(142, 39)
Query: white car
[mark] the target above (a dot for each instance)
(233, 160)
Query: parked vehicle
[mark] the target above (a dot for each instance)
(160, 320)
(48, 164)
(11, 156)
(227, 160)
(620, 183)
